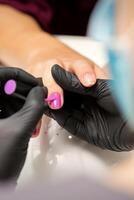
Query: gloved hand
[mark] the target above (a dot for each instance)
(17, 125)
(9, 104)
(91, 113)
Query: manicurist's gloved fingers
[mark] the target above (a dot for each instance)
(84, 126)
(17, 80)
(70, 82)
(15, 132)
(71, 121)
(66, 80)
(33, 108)
(7, 73)
(94, 115)
(25, 120)
(100, 91)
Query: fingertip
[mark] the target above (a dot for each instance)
(85, 72)
(56, 70)
(55, 100)
(87, 79)
(55, 67)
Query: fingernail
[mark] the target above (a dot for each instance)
(88, 79)
(54, 100)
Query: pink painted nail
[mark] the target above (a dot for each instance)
(54, 100)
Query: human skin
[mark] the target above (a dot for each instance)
(24, 44)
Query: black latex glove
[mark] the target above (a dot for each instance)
(10, 104)
(91, 113)
(17, 128)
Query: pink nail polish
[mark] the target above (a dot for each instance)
(54, 100)
(10, 87)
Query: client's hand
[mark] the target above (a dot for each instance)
(17, 125)
(91, 113)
